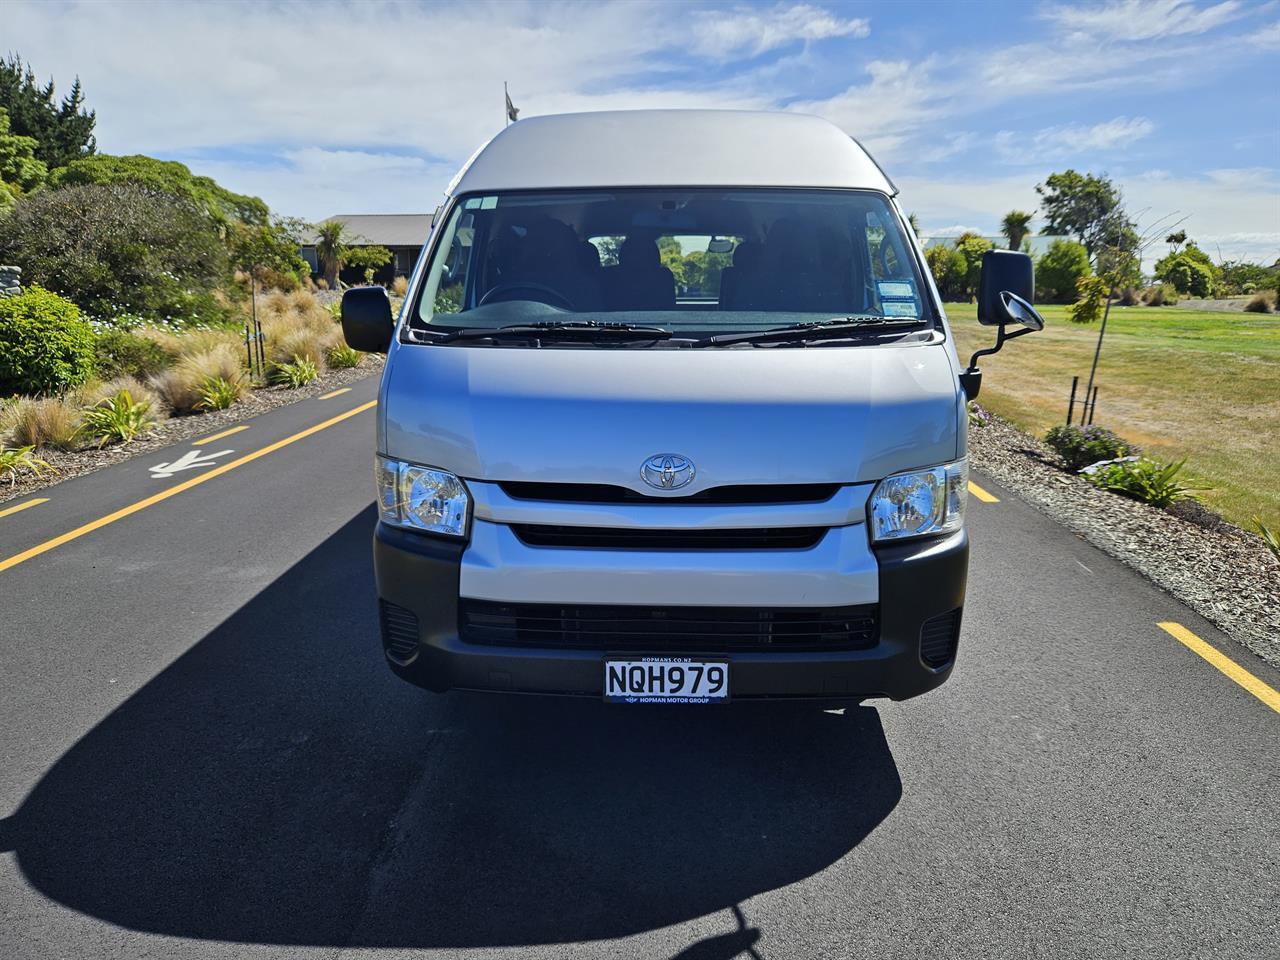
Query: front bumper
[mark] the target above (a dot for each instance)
(919, 584)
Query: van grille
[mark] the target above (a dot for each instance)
(399, 631)
(764, 493)
(667, 629)
(648, 538)
(939, 637)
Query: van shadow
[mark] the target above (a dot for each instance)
(277, 785)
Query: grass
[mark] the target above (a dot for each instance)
(1181, 384)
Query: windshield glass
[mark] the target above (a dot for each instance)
(692, 261)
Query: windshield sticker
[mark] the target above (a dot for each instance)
(897, 290)
(901, 308)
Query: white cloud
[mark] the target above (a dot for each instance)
(751, 30)
(900, 99)
(1054, 143)
(1143, 19)
(1236, 212)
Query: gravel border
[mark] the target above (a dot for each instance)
(76, 463)
(1220, 571)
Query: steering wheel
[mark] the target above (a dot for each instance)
(494, 293)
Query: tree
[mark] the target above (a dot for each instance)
(971, 247)
(20, 170)
(1015, 226)
(270, 252)
(1176, 239)
(367, 259)
(1086, 207)
(914, 222)
(168, 176)
(63, 131)
(331, 248)
(1060, 269)
(1190, 270)
(118, 249)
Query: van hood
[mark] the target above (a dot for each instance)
(742, 415)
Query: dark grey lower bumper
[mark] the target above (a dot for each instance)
(919, 582)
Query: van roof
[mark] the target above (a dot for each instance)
(685, 148)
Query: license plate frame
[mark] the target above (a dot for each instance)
(696, 695)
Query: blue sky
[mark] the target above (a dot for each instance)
(326, 108)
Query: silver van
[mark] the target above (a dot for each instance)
(672, 413)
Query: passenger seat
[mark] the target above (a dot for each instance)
(639, 281)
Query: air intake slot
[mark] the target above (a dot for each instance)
(399, 631)
(939, 637)
(648, 538)
(667, 629)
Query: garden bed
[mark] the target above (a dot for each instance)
(74, 463)
(1222, 572)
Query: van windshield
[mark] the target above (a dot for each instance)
(695, 262)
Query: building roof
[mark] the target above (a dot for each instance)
(670, 148)
(385, 229)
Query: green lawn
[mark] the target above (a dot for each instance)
(1180, 383)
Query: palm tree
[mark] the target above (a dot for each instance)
(1015, 226)
(331, 249)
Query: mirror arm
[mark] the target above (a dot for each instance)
(971, 379)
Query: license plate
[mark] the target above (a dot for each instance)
(666, 680)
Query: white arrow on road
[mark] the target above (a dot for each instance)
(191, 460)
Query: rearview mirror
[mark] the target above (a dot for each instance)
(1007, 289)
(367, 323)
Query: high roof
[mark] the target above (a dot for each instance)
(687, 148)
(385, 229)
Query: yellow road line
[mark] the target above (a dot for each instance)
(334, 393)
(22, 506)
(981, 494)
(1239, 674)
(219, 436)
(173, 491)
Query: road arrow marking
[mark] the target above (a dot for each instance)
(191, 460)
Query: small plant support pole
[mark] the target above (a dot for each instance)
(248, 348)
(1071, 404)
(1093, 406)
(257, 327)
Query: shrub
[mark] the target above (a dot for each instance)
(1260, 303)
(46, 422)
(95, 391)
(1270, 539)
(400, 286)
(121, 353)
(118, 248)
(1092, 300)
(1130, 296)
(948, 266)
(1057, 272)
(335, 310)
(1145, 480)
(182, 384)
(1080, 446)
(296, 374)
(218, 393)
(45, 345)
(119, 418)
(1190, 270)
(343, 357)
(977, 416)
(18, 460)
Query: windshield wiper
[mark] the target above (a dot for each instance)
(585, 330)
(823, 329)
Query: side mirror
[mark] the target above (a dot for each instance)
(1005, 293)
(1007, 289)
(367, 323)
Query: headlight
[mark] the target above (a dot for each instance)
(421, 498)
(920, 503)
